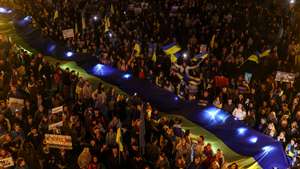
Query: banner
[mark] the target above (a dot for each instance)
(57, 110)
(15, 104)
(221, 81)
(285, 77)
(7, 162)
(68, 33)
(55, 125)
(58, 141)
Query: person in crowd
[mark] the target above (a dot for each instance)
(239, 112)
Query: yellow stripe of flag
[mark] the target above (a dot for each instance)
(265, 53)
(253, 58)
(137, 48)
(119, 139)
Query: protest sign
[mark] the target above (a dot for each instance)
(285, 77)
(57, 110)
(68, 33)
(203, 48)
(55, 125)
(6, 162)
(15, 104)
(58, 141)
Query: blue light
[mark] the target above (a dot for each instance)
(214, 116)
(69, 54)
(213, 113)
(222, 117)
(98, 69)
(253, 139)
(267, 149)
(51, 48)
(102, 70)
(241, 131)
(25, 21)
(176, 98)
(126, 76)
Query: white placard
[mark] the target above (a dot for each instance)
(15, 104)
(58, 141)
(7, 162)
(68, 33)
(55, 125)
(285, 77)
(57, 109)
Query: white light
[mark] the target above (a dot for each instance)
(98, 69)
(126, 76)
(241, 131)
(253, 139)
(292, 1)
(213, 113)
(110, 34)
(222, 117)
(69, 54)
(95, 18)
(27, 18)
(4, 10)
(215, 116)
(185, 55)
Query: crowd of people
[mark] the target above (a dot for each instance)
(91, 116)
(110, 30)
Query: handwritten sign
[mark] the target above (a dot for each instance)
(68, 33)
(15, 103)
(55, 125)
(285, 77)
(7, 162)
(58, 141)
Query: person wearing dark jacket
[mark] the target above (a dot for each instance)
(196, 164)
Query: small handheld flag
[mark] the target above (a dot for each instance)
(154, 57)
(106, 24)
(212, 41)
(119, 140)
(55, 15)
(253, 58)
(265, 53)
(171, 49)
(137, 49)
